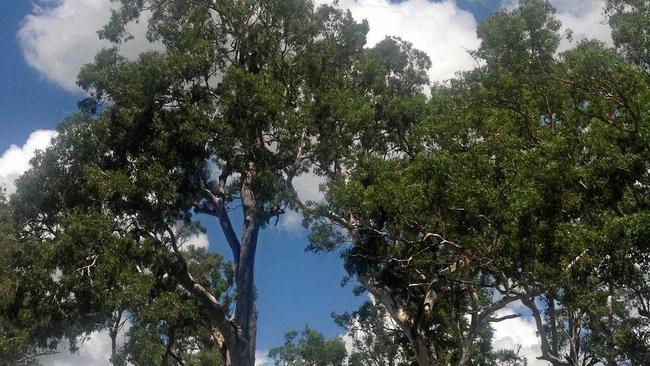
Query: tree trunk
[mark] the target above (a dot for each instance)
(553, 324)
(573, 337)
(221, 345)
(245, 311)
(236, 340)
(611, 350)
(416, 335)
(113, 332)
(423, 351)
(113, 336)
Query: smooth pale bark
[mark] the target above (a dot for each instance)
(547, 350)
(415, 334)
(245, 311)
(237, 343)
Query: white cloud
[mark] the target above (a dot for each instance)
(585, 18)
(441, 29)
(509, 334)
(95, 351)
(15, 160)
(308, 187)
(290, 223)
(262, 358)
(61, 36)
(198, 240)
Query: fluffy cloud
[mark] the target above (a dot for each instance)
(61, 36)
(15, 160)
(290, 223)
(585, 18)
(199, 240)
(308, 187)
(512, 333)
(96, 350)
(441, 29)
(262, 358)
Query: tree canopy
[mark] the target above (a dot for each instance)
(524, 181)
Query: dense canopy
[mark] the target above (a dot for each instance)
(518, 189)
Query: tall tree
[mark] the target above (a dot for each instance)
(585, 160)
(523, 180)
(245, 96)
(630, 23)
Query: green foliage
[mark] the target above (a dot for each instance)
(19, 343)
(244, 97)
(528, 178)
(630, 22)
(309, 348)
(375, 340)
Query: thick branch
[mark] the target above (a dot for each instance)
(395, 309)
(546, 348)
(179, 269)
(219, 210)
(215, 309)
(502, 318)
(485, 314)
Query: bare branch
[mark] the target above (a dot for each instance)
(219, 210)
(541, 330)
(502, 318)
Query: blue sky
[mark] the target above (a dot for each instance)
(27, 101)
(39, 57)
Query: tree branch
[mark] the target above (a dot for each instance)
(541, 330)
(219, 210)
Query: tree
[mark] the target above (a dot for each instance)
(523, 180)
(310, 349)
(510, 358)
(589, 166)
(375, 340)
(20, 341)
(172, 327)
(245, 96)
(630, 21)
(101, 267)
(420, 213)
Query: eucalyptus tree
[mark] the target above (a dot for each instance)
(375, 340)
(245, 96)
(421, 211)
(309, 348)
(630, 22)
(20, 341)
(582, 208)
(523, 180)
